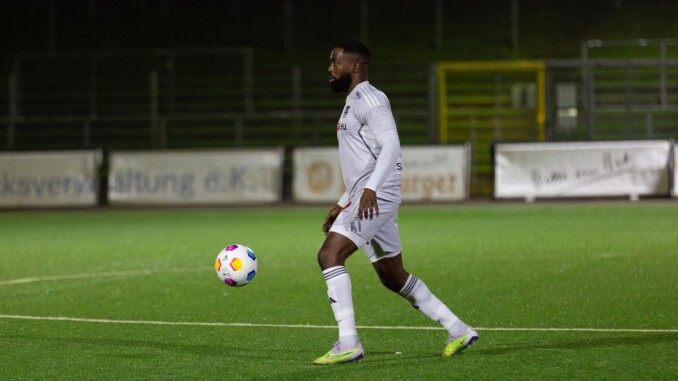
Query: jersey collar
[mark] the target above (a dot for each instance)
(357, 88)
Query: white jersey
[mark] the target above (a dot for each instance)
(367, 113)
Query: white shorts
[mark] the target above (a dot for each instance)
(378, 237)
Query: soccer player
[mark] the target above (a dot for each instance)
(366, 215)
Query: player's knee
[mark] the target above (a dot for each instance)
(393, 278)
(321, 262)
(391, 281)
(328, 258)
(334, 251)
(322, 259)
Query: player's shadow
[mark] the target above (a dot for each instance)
(591, 342)
(480, 350)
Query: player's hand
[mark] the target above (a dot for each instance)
(331, 216)
(368, 204)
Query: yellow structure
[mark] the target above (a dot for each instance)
(486, 102)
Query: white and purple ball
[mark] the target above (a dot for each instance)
(236, 265)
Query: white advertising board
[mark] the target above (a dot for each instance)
(624, 168)
(674, 188)
(196, 177)
(316, 174)
(49, 179)
(430, 173)
(435, 173)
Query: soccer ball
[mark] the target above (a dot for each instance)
(236, 265)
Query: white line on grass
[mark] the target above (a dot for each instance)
(304, 326)
(113, 274)
(99, 275)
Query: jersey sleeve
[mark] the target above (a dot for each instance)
(379, 118)
(388, 157)
(343, 201)
(375, 112)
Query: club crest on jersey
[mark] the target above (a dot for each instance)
(346, 111)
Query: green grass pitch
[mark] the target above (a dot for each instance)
(527, 276)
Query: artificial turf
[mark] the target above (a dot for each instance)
(131, 294)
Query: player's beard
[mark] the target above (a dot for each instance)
(341, 84)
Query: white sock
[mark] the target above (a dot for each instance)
(422, 299)
(339, 293)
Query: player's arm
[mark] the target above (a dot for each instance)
(334, 212)
(386, 137)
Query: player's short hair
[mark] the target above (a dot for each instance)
(358, 47)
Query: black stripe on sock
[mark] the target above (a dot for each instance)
(335, 273)
(409, 286)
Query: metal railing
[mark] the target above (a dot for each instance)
(77, 86)
(612, 99)
(174, 98)
(209, 97)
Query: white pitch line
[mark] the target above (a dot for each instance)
(110, 274)
(98, 275)
(312, 326)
